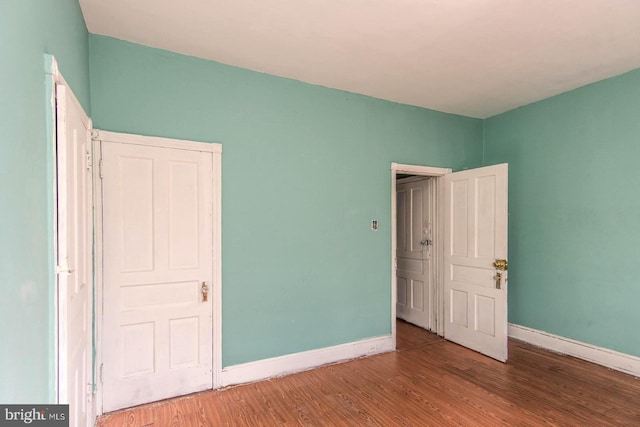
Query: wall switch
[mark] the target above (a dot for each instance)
(374, 224)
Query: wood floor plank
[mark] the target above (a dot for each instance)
(427, 381)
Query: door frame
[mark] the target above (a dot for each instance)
(437, 302)
(100, 136)
(54, 78)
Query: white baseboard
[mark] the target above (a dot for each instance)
(296, 362)
(602, 356)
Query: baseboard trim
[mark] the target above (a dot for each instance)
(626, 363)
(296, 362)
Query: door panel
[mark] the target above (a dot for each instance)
(158, 247)
(75, 232)
(412, 219)
(475, 237)
(414, 272)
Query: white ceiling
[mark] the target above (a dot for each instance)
(477, 58)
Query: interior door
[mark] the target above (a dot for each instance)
(157, 249)
(475, 238)
(74, 270)
(414, 251)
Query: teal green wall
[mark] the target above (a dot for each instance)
(305, 169)
(28, 29)
(574, 204)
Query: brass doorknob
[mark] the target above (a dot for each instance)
(501, 264)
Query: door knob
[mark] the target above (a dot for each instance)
(205, 292)
(501, 264)
(426, 242)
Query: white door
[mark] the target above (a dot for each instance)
(475, 238)
(414, 251)
(158, 262)
(74, 271)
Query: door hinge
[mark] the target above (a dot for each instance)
(395, 264)
(100, 169)
(89, 161)
(64, 270)
(101, 373)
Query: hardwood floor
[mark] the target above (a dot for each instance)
(426, 382)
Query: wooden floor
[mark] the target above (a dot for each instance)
(426, 382)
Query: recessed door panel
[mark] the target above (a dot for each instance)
(136, 206)
(485, 315)
(137, 342)
(401, 197)
(183, 214)
(417, 295)
(459, 311)
(485, 226)
(458, 218)
(402, 292)
(418, 209)
(184, 338)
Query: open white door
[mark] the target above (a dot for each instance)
(74, 269)
(158, 208)
(475, 239)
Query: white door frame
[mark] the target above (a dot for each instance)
(100, 136)
(97, 262)
(438, 300)
(59, 337)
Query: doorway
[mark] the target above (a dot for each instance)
(159, 292)
(415, 177)
(469, 255)
(416, 202)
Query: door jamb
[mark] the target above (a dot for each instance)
(100, 136)
(398, 168)
(97, 300)
(54, 78)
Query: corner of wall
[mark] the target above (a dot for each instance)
(484, 139)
